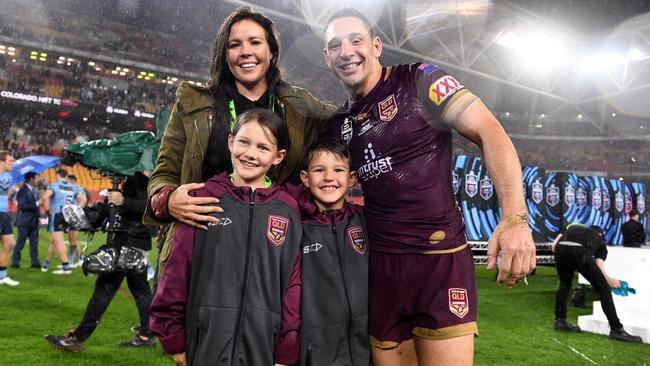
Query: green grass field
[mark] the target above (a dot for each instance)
(515, 325)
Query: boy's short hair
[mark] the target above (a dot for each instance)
(62, 173)
(332, 145)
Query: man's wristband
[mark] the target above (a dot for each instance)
(159, 204)
(519, 219)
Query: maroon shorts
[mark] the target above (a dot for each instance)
(430, 296)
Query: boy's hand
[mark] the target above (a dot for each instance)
(179, 359)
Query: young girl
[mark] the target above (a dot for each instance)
(220, 299)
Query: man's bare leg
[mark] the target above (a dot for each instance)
(402, 355)
(458, 351)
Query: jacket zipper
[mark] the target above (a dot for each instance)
(345, 286)
(240, 310)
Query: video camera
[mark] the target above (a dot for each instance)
(101, 216)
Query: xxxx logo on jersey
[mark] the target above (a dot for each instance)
(442, 88)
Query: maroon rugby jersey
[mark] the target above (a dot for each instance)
(402, 153)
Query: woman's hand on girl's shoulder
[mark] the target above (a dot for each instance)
(189, 210)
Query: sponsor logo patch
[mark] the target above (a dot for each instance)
(606, 201)
(537, 192)
(276, 229)
(486, 188)
(222, 221)
(640, 203)
(458, 302)
(552, 195)
(471, 183)
(375, 165)
(346, 130)
(357, 239)
(311, 248)
(442, 88)
(387, 108)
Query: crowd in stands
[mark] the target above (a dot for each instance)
(25, 132)
(60, 27)
(81, 83)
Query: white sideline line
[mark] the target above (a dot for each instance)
(575, 350)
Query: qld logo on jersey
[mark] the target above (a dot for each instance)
(628, 204)
(455, 181)
(346, 130)
(537, 192)
(552, 195)
(387, 108)
(619, 202)
(596, 199)
(640, 203)
(458, 302)
(606, 201)
(357, 239)
(442, 88)
(569, 196)
(471, 184)
(276, 229)
(486, 188)
(581, 198)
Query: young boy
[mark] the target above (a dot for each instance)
(333, 283)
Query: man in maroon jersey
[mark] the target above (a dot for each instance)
(398, 125)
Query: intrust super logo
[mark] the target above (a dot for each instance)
(374, 166)
(442, 88)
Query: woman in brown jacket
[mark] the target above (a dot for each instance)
(244, 75)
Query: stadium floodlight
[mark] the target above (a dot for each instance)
(539, 49)
(601, 61)
(125, 69)
(91, 63)
(636, 54)
(61, 58)
(2, 47)
(11, 53)
(11, 48)
(2, 52)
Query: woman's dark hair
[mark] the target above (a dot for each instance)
(331, 145)
(269, 121)
(219, 70)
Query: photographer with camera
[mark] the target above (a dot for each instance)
(126, 226)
